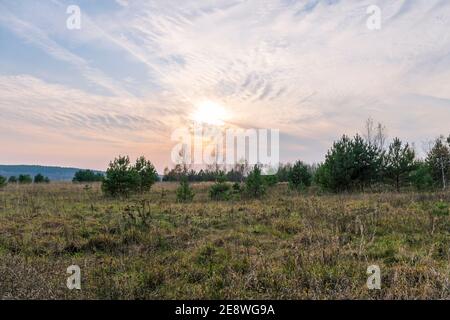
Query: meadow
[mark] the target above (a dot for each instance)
(287, 245)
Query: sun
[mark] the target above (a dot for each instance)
(209, 112)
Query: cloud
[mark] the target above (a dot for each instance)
(309, 68)
(123, 3)
(33, 102)
(41, 40)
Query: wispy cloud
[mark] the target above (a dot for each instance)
(310, 68)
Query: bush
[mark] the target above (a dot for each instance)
(39, 178)
(220, 190)
(237, 187)
(421, 178)
(12, 179)
(184, 191)
(147, 174)
(270, 180)
(254, 184)
(299, 176)
(2, 181)
(25, 179)
(121, 178)
(283, 172)
(87, 176)
(350, 164)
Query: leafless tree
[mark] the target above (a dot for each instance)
(375, 135)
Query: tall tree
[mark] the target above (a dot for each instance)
(399, 162)
(438, 159)
(375, 135)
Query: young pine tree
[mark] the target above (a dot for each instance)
(299, 176)
(399, 163)
(221, 189)
(147, 173)
(184, 191)
(121, 178)
(254, 184)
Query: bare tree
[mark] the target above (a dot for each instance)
(375, 135)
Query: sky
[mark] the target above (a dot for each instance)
(135, 71)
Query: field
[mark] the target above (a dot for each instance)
(285, 246)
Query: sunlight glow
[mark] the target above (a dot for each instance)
(209, 112)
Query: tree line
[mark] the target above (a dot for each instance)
(23, 179)
(359, 163)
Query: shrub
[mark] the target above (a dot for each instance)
(147, 174)
(184, 191)
(283, 172)
(25, 179)
(87, 176)
(270, 180)
(220, 190)
(237, 187)
(121, 178)
(2, 181)
(350, 164)
(12, 179)
(421, 178)
(299, 176)
(39, 178)
(254, 184)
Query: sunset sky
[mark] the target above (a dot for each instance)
(138, 70)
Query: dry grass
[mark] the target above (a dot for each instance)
(286, 246)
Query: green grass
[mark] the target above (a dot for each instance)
(285, 246)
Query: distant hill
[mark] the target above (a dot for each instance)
(54, 173)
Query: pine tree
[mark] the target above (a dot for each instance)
(299, 176)
(439, 161)
(399, 162)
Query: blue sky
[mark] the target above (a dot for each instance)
(137, 70)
